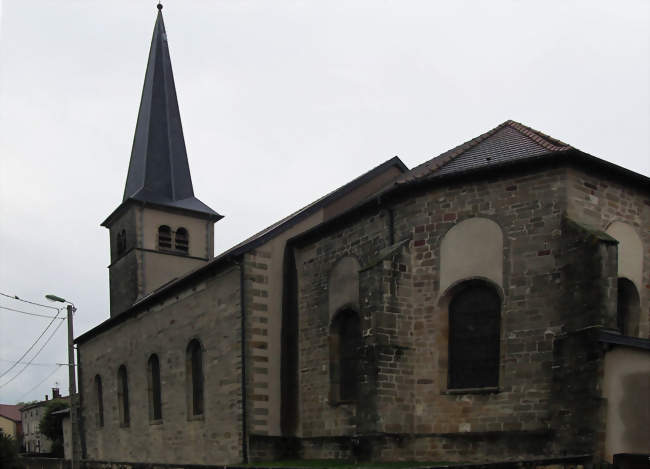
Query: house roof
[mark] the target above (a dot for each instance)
(251, 243)
(12, 412)
(159, 171)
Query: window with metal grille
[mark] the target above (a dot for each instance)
(182, 241)
(345, 347)
(164, 237)
(153, 378)
(474, 332)
(100, 401)
(123, 396)
(194, 368)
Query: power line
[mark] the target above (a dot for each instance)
(15, 297)
(36, 355)
(41, 382)
(31, 364)
(31, 314)
(32, 346)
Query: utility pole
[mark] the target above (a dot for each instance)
(72, 382)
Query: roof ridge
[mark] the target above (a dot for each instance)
(542, 139)
(431, 166)
(442, 159)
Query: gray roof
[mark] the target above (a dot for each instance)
(506, 143)
(159, 172)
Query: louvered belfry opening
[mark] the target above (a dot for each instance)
(474, 330)
(164, 237)
(181, 240)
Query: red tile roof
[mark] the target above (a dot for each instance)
(12, 412)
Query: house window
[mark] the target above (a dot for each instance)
(628, 308)
(194, 370)
(345, 347)
(182, 240)
(123, 396)
(164, 237)
(474, 332)
(153, 379)
(100, 401)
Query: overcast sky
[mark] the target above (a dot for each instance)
(281, 102)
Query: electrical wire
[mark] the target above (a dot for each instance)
(30, 361)
(41, 382)
(31, 314)
(31, 364)
(15, 297)
(36, 341)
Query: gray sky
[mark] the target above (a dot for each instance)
(281, 102)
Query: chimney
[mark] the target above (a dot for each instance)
(55, 393)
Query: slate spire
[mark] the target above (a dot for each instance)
(159, 172)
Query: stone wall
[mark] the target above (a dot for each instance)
(209, 311)
(596, 199)
(404, 393)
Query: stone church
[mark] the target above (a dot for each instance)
(491, 304)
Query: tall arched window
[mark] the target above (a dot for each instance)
(153, 381)
(345, 347)
(182, 241)
(628, 308)
(123, 396)
(164, 237)
(474, 333)
(194, 371)
(99, 394)
(121, 242)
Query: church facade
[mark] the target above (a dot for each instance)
(490, 304)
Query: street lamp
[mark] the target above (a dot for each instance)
(71, 374)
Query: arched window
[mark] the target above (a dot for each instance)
(164, 237)
(182, 241)
(345, 347)
(474, 333)
(120, 241)
(123, 396)
(194, 372)
(153, 381)
(100, 401)
(628, 308)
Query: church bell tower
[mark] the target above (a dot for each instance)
(160, 231)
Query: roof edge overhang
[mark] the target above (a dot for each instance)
(615, 338)
(228, 258)
(567, 157)
(231, 255)
(215, 217)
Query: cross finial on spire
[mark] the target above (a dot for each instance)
(159, 6)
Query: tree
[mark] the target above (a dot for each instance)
(50, 425)
(9, 453)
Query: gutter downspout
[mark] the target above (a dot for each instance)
(244, 442)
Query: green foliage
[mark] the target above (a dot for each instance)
(22, 404)
(9, 453)
(50, 425)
